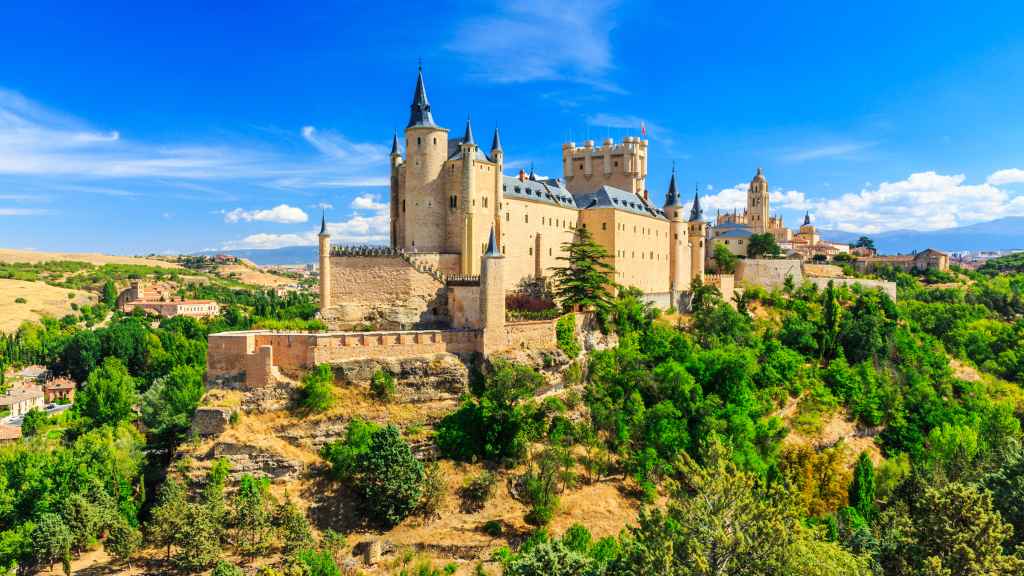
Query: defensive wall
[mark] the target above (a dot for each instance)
(768, 273)
(256, 357)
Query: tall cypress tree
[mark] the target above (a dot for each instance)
(862, 488)
(831, 313)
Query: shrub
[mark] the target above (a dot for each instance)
(317, 389)
(382, 384)
(33, 422)
(565, 332)
(477, 490)
(435, 485)
(493, 528)
(344, 455)
(224, 568)
(317, 563)
(20, 300)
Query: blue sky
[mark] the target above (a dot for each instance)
(135, 128)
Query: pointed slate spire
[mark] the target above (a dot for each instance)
(467, 138)
(533, 175)
(323, 223)
(492, 246)
(696, 213)
(394, 144)
(420, 114)
(807, 219)
(496, 142)
(672, 197)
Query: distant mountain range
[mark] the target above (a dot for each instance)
(1001, 234)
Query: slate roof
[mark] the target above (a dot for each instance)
(743, 232)
(548, 191)
(611, 197)
(419, 114)
(455, 150)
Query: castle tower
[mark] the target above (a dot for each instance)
(498, 157)
(397, 239)
(421, 193)
(325, 265)
(492, 297)
(466, 205)
(757, 204)
(622, 165)
(698, 230)
(679, 242)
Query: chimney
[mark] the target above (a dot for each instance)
(522, 175)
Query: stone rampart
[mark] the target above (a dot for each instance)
(385, 290)
(530, 334)
(768, 273)
(886, 286)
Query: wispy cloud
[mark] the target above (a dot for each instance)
(569, 41)
(281, 214)
(22, 211)
(38, 142)
(837, 150)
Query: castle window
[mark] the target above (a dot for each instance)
(403, 205)
(485, 201)
(526, 218)
(435, 144)
(581, 166)
(541, 220)
(604, 226)
(508, 216)
(418, 142)
(531, 250)
(549, 252)
(616, 163)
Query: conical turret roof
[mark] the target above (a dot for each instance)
(420, 110)
(467, 138)
(496, 142)
(672, 196)
(394, 144)
(323, 223)
(696, 213)
(492, 246)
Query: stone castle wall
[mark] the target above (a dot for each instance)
(531, 334)
(386, 291)
(768, 273)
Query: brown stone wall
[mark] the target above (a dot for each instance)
(520, 223)
(386, 291)
(531, 334)
(331, 348)
(464, 306)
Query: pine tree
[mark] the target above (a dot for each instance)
(167, 515)
(862, 488)
(584, 281)
(109, 294)
(253, 519)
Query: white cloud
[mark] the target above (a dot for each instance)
(1008, 176)
(840, 150)
(359, 228)
(793, 199)
(281, 214)
(550, 41)
(368, 202)
(726, 200)
(923, 201)
(22, 211)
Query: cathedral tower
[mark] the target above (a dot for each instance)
(698, 230)
(422, 198)
(757, 204)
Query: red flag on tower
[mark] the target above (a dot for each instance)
(643, 129)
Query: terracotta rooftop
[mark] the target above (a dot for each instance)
(10, 432)
(60, 383)
(20, 393)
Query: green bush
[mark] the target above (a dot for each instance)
(493, 528)
(344, 455)
(318, 389)
(224, 568)
(565, 332)
(382, 384)
(20, 300)
(317, 563)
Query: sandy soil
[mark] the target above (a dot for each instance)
(40, 299)
(31, 256)
(254, 276)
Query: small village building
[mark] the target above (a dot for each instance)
(162, 303)
(20, 399)
(920, 261)
(61, 388)
(9, 434)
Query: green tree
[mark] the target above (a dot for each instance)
(169, 403)
(389, 477)
(293, 527)
(109, 294)
(865, 242)
(51, 540)
(123, 541)
(382, 384)
(197, 541)
(34, 421)
(81, 355)
(862, 487)
(253, 516)
(1007, 485)
(345, 455)
(108, 396)
(583, 283)
(725, 260)
(761, 245)
(551, 558)
(317, 393)
(167, 516)
(831, 319)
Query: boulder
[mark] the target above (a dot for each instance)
(210, 420)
